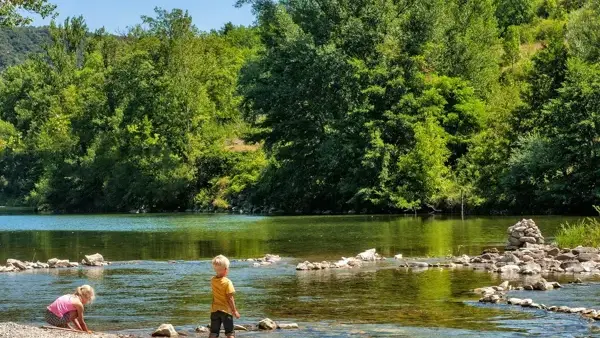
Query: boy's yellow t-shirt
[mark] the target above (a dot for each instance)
(221, 287)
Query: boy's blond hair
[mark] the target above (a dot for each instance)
(220, 263)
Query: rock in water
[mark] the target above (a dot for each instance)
(94, 260)
(165, 330)
(369, 255)
(202, 329)
(287, 326)
(398, 256)
(267, 324)
(16, 263)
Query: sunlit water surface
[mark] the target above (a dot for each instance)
(162, 271)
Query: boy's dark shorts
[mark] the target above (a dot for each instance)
(218, 318)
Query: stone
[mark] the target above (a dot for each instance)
(588, 256)
(504, 285)
(526, 302)
(577, 310)
(464, 260)
(527, 258)
(52, 262)
(62, 264)
(556, 285)
(511, 268)
(418, 264)
(489, 256)
(491, 251)
(528, 287)
(515, 301)
(94, 260)
(17, 264)
(267, 324)
(526, 239)
(256, 264)
(580, 250)
(73, 264)
(202, 329)
(531, 269)
(398, 256)
(165, 330)
(578, 281)
(369, 255)
(565, 257)
(302, 266)
(509, 257)
(272, 258)
(553, 252)
(287, 326)
(564, 309)
(2, 269)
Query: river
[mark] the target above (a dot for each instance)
(161, 273)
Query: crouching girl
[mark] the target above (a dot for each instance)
(69, 309)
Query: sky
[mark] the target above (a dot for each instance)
(117, 15)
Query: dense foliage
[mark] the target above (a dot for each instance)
(347, 105)
(16, 44)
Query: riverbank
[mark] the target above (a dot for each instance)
(13, 330)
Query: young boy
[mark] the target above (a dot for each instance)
(223, 307)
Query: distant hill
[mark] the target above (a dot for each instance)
(17, 43)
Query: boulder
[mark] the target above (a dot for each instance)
(398, 256)
(553, 252)
(272, 258)
(531, 269)
(526, 239)
(303, 266)
(509, 257)
(515, 301)
(511, 268)
(267, 324)
(526, 302)
(588, 256)
(418, 264)
(62, 264)
(17, 264)
(565, 257)
(287, 326)
(202, 329)
(369, 256)
(505, 285)
(165, 330)
(94, 260)
(464, 260)
(582, 249)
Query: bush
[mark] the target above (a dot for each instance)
(585, 233)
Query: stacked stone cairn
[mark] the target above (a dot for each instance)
(523, 232)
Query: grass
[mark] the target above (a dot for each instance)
(586, 233)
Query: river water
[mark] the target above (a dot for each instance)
(161, 273)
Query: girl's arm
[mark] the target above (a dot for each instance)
(231, 302)
(79, 320)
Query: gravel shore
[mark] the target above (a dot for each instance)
(13, 330)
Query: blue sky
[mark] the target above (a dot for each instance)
(117, 15)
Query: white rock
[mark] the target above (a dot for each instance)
(165, 330)
(398, 256)
(287, 326)
(267, 324)
(94, 260)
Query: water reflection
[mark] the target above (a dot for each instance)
(191, 237)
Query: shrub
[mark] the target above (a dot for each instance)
(585, 233)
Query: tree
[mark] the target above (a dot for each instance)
(513, 12)
(11, 11)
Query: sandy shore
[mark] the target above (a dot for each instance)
(13, 330)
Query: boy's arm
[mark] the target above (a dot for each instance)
(231, 303)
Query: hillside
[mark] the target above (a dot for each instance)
(17, 43)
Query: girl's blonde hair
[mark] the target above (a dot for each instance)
(87, 292)
(220, 263)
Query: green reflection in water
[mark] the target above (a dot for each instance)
(189, 237)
